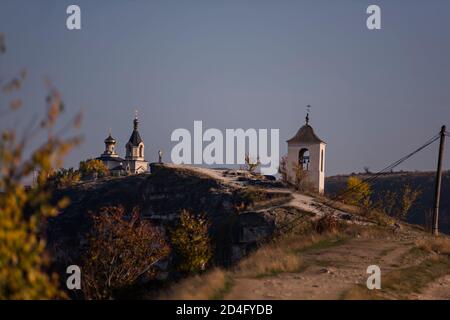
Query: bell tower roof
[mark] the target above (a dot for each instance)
(306, 133)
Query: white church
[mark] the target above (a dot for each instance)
(307, 150)
(134, 161)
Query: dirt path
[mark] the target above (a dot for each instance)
(437, 290)
(329, 271)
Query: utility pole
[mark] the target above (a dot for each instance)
(437, 194)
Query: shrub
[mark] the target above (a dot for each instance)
(327, 224)
(387, 202)
(121, 248)
(92, 169)
(398, 205)
(282, 169)
(407, 200)
(191, 242)
(300, 178)
(64, 178)
(250, 164)
(357, 193)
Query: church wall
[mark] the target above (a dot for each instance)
(137, 166)
(111, 164)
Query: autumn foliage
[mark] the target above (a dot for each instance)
(92, 169)
(358, 192)
(122, 247)
(327, 224)
(23, 259)
(398, 204)
(300, 182)
(282, 169)
(64, 178)
(191, 242)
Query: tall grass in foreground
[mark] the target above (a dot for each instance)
(267, 261)
(439, 245)
(199, 287)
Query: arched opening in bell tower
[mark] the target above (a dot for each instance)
(304, 159)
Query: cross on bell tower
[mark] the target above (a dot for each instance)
(308, 110)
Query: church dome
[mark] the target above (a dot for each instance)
(110, 140)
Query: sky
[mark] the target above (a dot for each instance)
(376, 95)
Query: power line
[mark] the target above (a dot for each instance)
(389, 167)
(372, 178)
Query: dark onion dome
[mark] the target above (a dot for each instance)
(135, 138)
(110, 140)
(305, 135)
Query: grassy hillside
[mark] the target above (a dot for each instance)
(421, 212)
(308, 265)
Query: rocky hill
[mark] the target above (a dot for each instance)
(319, 251)
(233, 202)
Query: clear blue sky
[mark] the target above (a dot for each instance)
(375, 95)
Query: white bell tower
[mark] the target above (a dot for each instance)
(306, 152)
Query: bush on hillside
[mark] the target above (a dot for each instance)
(93, 169)
(121, 248)
(191, 243)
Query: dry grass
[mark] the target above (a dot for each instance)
(380, 218)
(284, 255)
(342, 206)
(368, 232)
(399, 284)
(376, 215)
(439, 245)
(268, 260)
(199, 287)
(299, 243)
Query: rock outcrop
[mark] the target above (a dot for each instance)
(240, 213)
